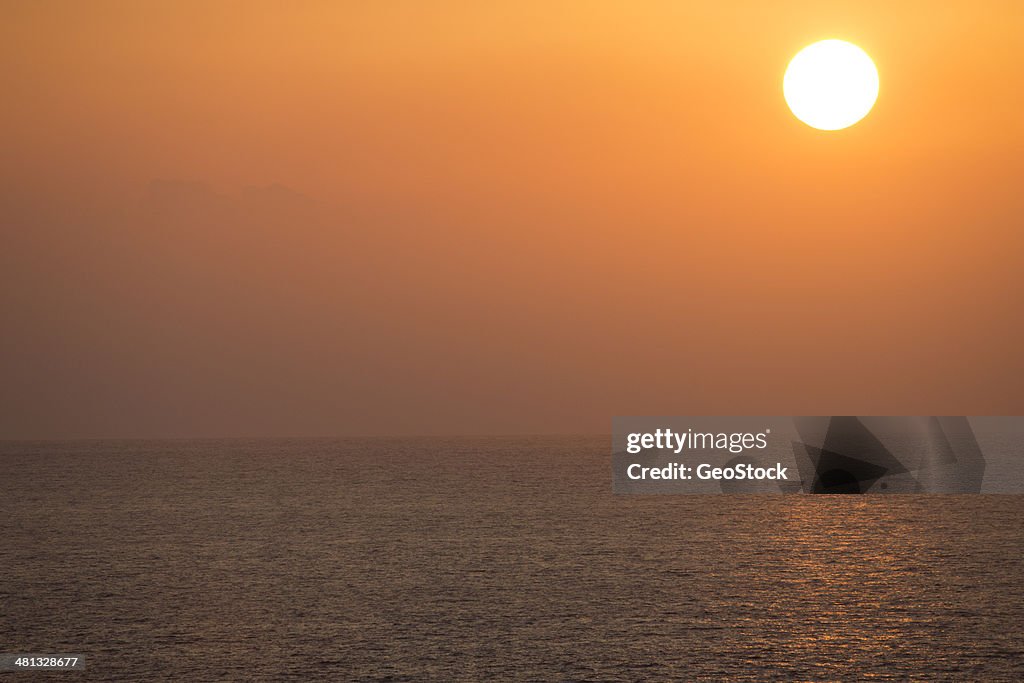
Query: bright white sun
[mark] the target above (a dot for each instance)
(831, 84)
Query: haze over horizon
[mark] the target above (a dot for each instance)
(327, 220)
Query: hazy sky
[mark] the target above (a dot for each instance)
(453, 217)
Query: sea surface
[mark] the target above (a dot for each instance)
(484, 559)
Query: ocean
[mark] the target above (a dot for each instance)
(466, 559)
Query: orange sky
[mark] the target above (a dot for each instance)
(407, 217)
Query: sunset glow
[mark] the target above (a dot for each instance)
(831, 85)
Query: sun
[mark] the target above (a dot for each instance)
(831, 84)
